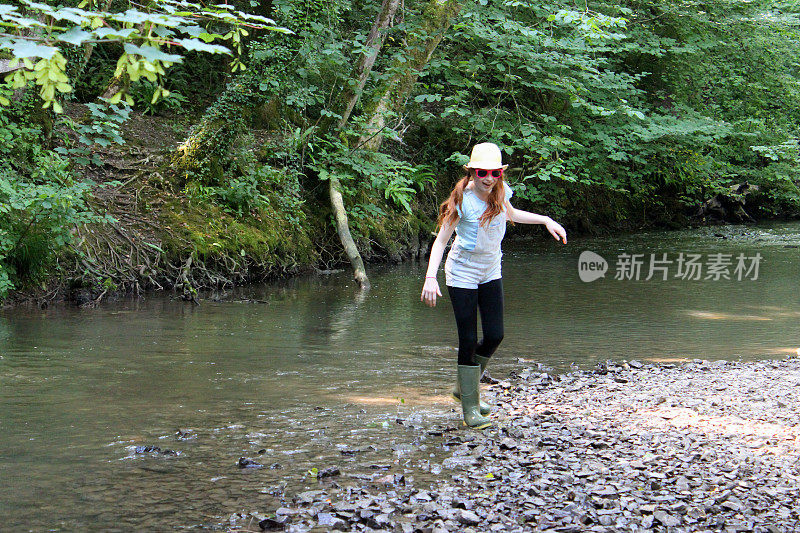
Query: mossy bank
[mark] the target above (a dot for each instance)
(147, 227)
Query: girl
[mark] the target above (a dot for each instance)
(477, 209)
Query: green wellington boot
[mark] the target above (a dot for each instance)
(485, 407)
(468, 377)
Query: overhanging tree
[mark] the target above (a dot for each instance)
(154, 37)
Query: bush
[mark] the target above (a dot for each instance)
(241, 195)
(40, 202)
(143, 93)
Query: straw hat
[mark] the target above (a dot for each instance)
(486, 155)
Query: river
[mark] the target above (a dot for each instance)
(293, 373)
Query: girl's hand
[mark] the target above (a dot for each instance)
(429, 292)
(556, 230)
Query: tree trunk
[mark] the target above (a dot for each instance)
(436, 20)
(343, 229)
(350, 97)
(377, 36)
(114, 86)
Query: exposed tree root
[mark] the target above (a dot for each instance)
(142, 248)
(128, 255)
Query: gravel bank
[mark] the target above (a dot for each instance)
(625, 447)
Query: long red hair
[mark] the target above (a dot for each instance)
(448, 211)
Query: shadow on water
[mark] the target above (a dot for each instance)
(307, 373)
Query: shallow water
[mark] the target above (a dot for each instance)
(303, 367)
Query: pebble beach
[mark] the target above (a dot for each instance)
(627, 446)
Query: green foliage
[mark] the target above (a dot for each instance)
(147, 98)
(283, 190)
(40, 202)
(398, 181)
(271, 237)
(254, 192)
(153, 39)
(785, 151)
(289, 84)
(102, 130)
(656, 104)
(401, 182)
(36, 218)
(241, 195)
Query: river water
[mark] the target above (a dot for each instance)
(296, 372)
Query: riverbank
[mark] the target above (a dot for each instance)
(170, 231)
(157, 229)
(701, 446)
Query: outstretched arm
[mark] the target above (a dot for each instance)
(431, 288)
(524, 217)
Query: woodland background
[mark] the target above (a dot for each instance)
(294, 135)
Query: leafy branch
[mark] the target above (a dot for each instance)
(153, 37)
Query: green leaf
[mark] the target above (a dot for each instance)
(208, 37)
(22, 48)
(259, 18)
(104, 33)
(133, 16)
(74, 36)
(24, 22)
(164, 33)
(198, 45)
(193, 31)
(151, 53)
(326, 113)
(76, 16)
(39, 7)
(153, 246)
(279, 29)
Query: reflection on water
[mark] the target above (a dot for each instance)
(302, 369)
(706, 315)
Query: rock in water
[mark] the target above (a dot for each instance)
(246, 462)
(328, 472)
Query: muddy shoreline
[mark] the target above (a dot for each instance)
(628, 446)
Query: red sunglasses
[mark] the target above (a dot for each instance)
(482, 173)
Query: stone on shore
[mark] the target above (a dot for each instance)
(625, 447)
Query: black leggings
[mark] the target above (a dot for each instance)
(488, 297)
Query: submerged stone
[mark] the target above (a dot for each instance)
(329, 472)
(246, 462)
(274, 524)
